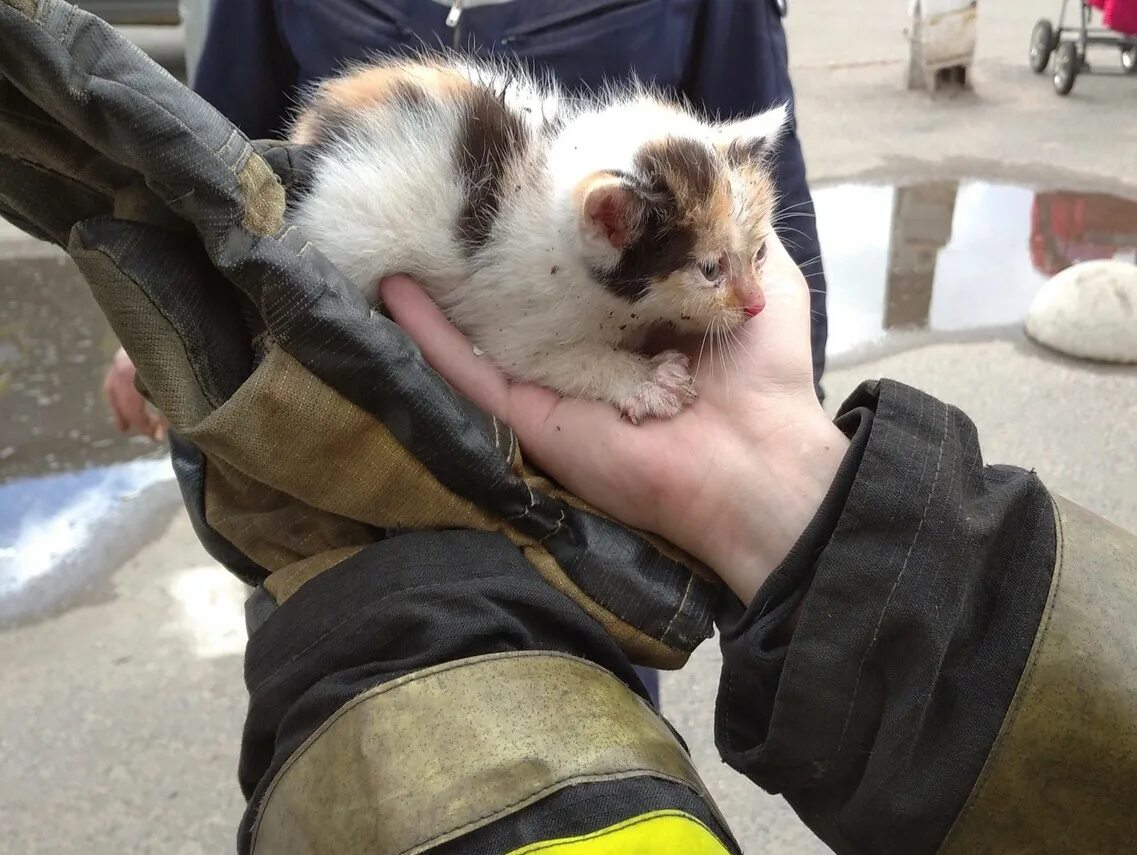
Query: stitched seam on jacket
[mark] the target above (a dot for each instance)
(678, 611)
(1025, 682)
(895, 584)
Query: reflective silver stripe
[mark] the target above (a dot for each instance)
(470, 4)
(441, 752)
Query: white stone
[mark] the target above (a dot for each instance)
(1088, 310)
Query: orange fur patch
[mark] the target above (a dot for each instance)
(373, 85)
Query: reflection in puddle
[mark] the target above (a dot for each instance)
(51, 521)
(950, 257)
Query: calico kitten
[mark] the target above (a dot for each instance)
(554, 232)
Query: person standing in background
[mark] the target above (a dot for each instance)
(728, 58)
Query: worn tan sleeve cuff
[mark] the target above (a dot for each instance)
(441, 752)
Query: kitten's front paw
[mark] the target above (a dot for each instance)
(664, 394)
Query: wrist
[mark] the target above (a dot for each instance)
(778, 494)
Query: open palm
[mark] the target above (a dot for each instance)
(714, 479)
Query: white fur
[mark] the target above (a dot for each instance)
(387, 203)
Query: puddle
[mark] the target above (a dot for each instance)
(75, 499)
(61, 534)
(944, 259)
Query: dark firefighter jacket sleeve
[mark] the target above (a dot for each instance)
(958, 680)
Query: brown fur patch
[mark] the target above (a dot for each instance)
(490, 146)
(686, 186)
(694, 175)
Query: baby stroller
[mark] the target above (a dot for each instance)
(1119, 30)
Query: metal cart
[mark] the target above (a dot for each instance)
(1118, 30)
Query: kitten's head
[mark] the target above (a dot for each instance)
(683, 232)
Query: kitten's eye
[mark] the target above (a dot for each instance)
(712, 270)
(760, 255)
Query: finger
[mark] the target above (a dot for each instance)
(111, 397)
(784, 326)
(155, 424)
(445, 348)
(134, 410)
(783, 280)
(116, 410)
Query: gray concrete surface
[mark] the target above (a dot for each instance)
(121, 709)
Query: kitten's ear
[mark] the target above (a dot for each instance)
(753, 140)
(612, 211)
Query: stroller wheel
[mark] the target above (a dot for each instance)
(1129, 59)
(1041, 45)
(1067, 69)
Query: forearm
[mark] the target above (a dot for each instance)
(924, 588)
(433, 687)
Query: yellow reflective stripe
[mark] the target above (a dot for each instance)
(661, 832)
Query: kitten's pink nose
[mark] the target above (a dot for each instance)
(748, 295)
(756, 305)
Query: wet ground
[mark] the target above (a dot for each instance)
(907, 266)
(953, 260)
(76, 497)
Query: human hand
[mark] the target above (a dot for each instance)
(130, 409)
(733, 479)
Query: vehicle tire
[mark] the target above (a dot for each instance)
(1041, 45)
(1067, 67)
(1129, 59)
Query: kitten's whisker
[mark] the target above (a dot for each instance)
(728, 348)
(782, 212)
(711, 344)
(791, 229)
(734, 345)
(703, 344)
(783, 229)
(714, 341)
(722, 358)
